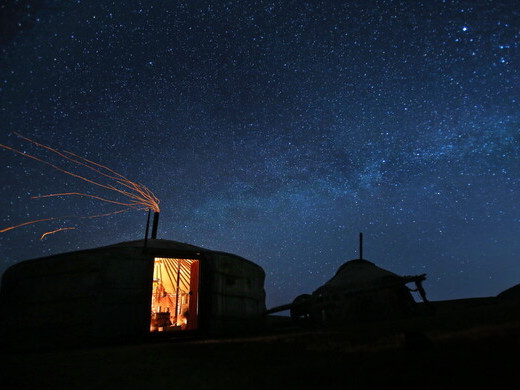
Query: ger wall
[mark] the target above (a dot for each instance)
(75, 298)
(104, 294)
(237, 294)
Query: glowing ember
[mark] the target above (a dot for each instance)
(55, 231)
(24, 224)
(139, 196)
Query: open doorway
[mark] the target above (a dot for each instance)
(174, 294)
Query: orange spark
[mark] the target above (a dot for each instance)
(87, 195)
(142, 195)
(107, 214)
(66, 217)
(55, 231)
(138, 195)
(24, 224)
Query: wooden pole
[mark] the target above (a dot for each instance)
(177, 292)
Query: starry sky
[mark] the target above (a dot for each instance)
(275, 130)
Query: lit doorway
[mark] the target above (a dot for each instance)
(174, 294)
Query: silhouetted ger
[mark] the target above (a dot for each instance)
(360, 291)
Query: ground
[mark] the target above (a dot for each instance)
(478, 349)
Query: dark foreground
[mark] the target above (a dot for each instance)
(478, 349)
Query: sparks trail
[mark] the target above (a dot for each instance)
(25, 224)
(58, 218)
(55, 231)
(86, 195)
(142, 195)
(138, 195)
(107, 214)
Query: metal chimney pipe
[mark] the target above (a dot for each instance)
(155, 225)
(147, 228)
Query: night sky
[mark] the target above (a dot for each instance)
(275, 130)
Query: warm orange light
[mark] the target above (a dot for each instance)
(139, 196)
(174, 303)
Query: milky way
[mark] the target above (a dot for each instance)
(276, 130)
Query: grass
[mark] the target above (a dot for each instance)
(475, 348)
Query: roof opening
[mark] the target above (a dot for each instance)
(174, 295)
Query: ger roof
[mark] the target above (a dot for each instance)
(161, 244)
(361, 274)
(159, 247)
